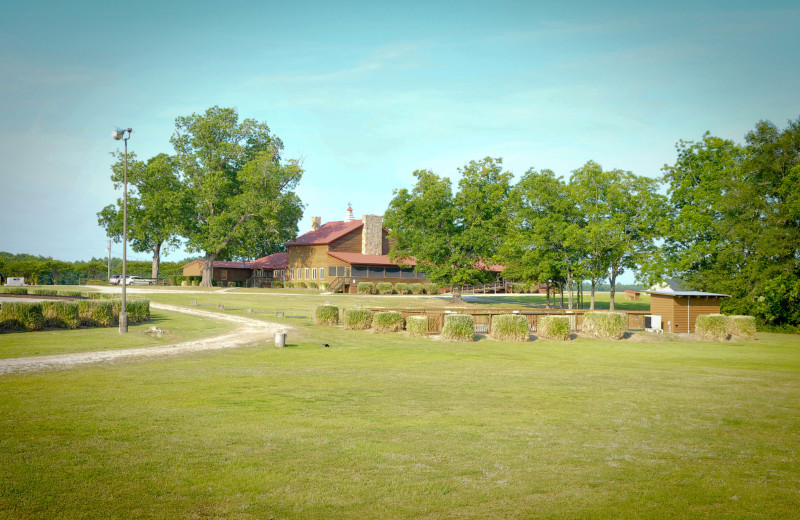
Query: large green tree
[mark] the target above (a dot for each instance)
(451, 236)
(239, 190)
(157, 206)
(734, 222)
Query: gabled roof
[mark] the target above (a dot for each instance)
(360, 259)
(273, 261)
(327, 233)
(688, 293)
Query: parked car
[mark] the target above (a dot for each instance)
(114, 280)
(137, 280)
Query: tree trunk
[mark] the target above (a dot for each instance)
(562, 294)
(569, 286)
(591, 302)
(156, 260)
(208, 270)
(457, 294)
(547, 305)
(613, 291)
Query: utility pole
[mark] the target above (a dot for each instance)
(109, 258)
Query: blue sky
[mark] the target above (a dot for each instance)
(367, 92)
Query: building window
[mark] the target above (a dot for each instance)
(313, 274)
(224, 274)
(291, 273)
(321, 273)
(306, 273)
(283, 273)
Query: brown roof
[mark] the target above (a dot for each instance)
(236, 264)
(329, 232)
(273, 261)
(360, 259)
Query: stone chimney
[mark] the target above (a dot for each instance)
(316, 222)
(372, 235)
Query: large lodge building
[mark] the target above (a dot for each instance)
(340, 254)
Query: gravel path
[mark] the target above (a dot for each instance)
(249, 331)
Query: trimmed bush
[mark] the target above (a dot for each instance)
(323, 285)
(21, 316)
(741, 327)
(553, 327)
(44, 292)
(517, 288)
(390, 321)
(384, 288)
(195, 283)
(16, 290)
(326, 315)
(300, 285)
(431, 288)
(605, 325)
(61, 315)
(138, 311)
(277, 284)
(711, 327)
(416, 288)
(401, 288)
(312, 285)
(365, 287)
(185, 283)
(356, 319)
(510, 327)
(417, 325)
(458, 327)
(71, 294)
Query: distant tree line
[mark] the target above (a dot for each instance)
(41, 270)
(728, 223)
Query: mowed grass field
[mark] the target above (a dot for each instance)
(385, 426)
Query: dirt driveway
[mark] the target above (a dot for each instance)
(248, 332)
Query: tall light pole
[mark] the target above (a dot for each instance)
(118, 134)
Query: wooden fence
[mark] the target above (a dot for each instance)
(483, 317)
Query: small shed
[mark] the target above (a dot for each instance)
(679, 309)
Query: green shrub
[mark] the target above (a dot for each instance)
(61, 314)
(510, 327)
(97, 313)
(711, 327)
(300, 285)
(138, 311)
(175, 279)
(416, 288)
(431, 288)
(71, 294)
(357, 319)
(322, 285)
(21, 316)
(458, 327)
(44, 292)
(185, 283)
(16, 290)
(196, 283)
(553, 327)
(417, 325)
(389, 321)
(517, 288)
(277, 284)
(327, 315)
(605, 325)
(401, 288)
(741, 327)
(312, 285)
(366, 287)
(384, 288)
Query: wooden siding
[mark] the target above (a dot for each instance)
(663, 306)
(682, 311)
(350, 243)
(193, 269)
(232, 275)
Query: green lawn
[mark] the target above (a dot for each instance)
(180, 327)
(392, 427)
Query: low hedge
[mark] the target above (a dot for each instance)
(458, 327)
(384, 288)
(356, 319)
(61, 314)
(712, 327)
(389, 321)
(510, 327)
(365, 287)
(276, 285)
(553, 327)
(138, 311)
(415, 288)
(605, 325)
(417, 325)
(326, 315)
(431, 288)
(15, 290)
(21, 316)
(44, 292)
(323, 285)
(300, 285)
(401, 288)
(741, 327)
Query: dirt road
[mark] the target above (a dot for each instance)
(249, 331)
